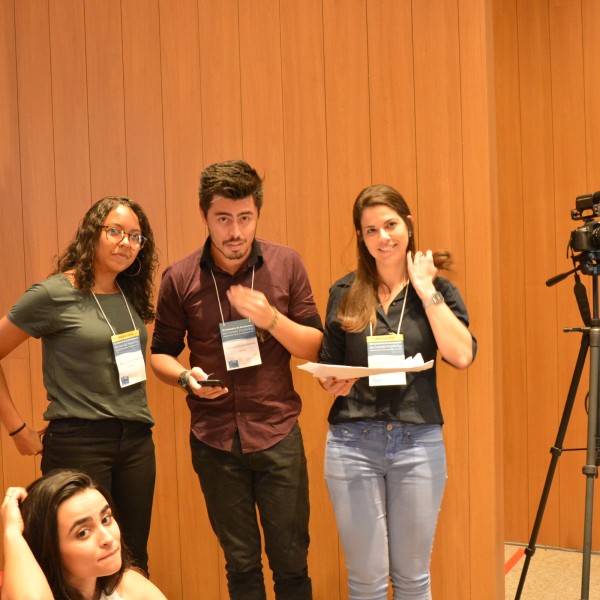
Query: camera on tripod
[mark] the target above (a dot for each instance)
(586, 239)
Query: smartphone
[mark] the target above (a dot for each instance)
(211, 382)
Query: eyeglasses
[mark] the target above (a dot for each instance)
(116, 236)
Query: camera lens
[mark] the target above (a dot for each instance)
(595, 236)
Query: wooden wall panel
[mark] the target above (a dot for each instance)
(220, 76)
(306, 185)
(182, 123)
(511, 238)
(568, 130)
(12, 272)
(484, 456)
(540, 305)
(262, 118)
(440, 175)
(36, 158)
(324, 96)
(348, 135)
(306, 172)
(590, 17)
(104, 52)
(70, 117)
(546, 158)
(392, 96)
(15, 469)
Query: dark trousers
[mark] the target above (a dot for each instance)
(274, 481)
(119, 455)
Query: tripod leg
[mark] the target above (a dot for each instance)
(556, 451)
(590, 469)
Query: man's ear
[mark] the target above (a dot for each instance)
(203, 216)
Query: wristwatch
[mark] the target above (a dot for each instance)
(183, 382)
(435, 298)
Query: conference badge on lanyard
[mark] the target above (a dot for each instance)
(127, 349)
(129, 357)
(240, 344)
(386, 351)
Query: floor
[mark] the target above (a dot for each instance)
(553, 574)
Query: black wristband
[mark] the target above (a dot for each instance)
(17, 430)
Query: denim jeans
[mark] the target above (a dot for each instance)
(274, 481)
(119, 455)
(386, 481)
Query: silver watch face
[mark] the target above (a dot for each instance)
(435, 298)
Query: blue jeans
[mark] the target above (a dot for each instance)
(386, 481)
(274, 482)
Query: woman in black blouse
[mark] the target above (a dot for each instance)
(385, 460)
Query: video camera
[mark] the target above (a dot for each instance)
(587, 237)
(585, 240)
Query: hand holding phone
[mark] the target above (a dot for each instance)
(211, 382)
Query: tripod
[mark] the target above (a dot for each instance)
(590, 339)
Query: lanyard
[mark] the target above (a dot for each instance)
(217, 290)
(106, 318)
(401, 314)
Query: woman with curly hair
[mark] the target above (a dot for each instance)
(91, 314)
(62, 542)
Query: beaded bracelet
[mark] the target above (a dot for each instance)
(17, 430)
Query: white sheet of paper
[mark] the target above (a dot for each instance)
(412, 363)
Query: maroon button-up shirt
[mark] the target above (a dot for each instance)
(261, 403)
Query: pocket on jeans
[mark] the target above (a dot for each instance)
(344, 434)
(65, 427)
(427, 435)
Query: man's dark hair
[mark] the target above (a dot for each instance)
(234, 179)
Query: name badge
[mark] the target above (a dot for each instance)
(386, 351)
(240, 344)
(129, 357)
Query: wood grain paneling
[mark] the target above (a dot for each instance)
(546, 75)
(392, 95)
(436, 57)
(324, 97)
(69, 116)
(262, 118)
(306, 186)
(104, 54)
(568, 130)
(182, 124)
(540, 306)
(512, 280)
(220, 80)
(481, 255)
(348, 126)
(16, 469)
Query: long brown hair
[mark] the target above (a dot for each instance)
(40, 518)
(357, 308)
(79, 256)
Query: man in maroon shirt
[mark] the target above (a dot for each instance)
(246, 306)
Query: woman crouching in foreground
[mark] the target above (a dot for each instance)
(62, 542)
